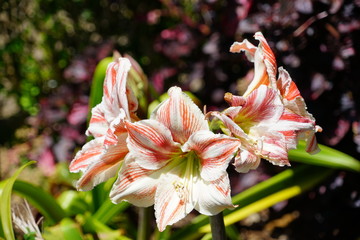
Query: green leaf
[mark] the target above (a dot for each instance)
(70, 230)
(286, 184)
(108, 210)
(43, 201)
(98, 81)
(74, 202)
(93, 225)
(327, 157)
(6, 229)
(300, 184)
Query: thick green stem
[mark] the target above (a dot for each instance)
(144, 223)
(217, 227)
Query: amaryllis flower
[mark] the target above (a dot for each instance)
(100, 158)
(265, 74)
(176, 163)
(271, 116)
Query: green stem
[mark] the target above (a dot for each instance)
(144, 223)
(217, 227)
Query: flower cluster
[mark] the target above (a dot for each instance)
(173, 160)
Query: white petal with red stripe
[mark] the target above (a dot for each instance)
(181, 115)
(214, 150)
(151, 143)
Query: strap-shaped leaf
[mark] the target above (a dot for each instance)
(6, 186)
(285, 185)
(327, 157)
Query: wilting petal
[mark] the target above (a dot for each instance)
(286, 86)
(311, 142)
(290, 125)
(214, 150)
(246, 160)
(98, 125)
(151, 143)
(263, 105)
(135, 184)
(90, 153)
(245, 46)
(213, 197)
(105, 167)
(291, 121)
(268, 58)
(272, 146)
(181, 115)
(264, 62)
(173, 200)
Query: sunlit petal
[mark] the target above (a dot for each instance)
(116, 128)
(214, 150)
(286, 86)
(262, 105)
(151, 143)
(233, 128)
(105, 167)
(117, 94)
(89, 154)
(246, 160)
(135, 184)
(273, 147)
(172, 200)
(98, 125)
(181, 115)
(245, 46)
(233, 100)
(214, 196)
(268, 57)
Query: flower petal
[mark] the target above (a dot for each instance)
(135, 184)
(117, 95)
(173, 200)
(246, 160)
(245, 46)
(214, 196)
(232, 128)
(233, 100)
(287, 87)
(116, 128)
(90, 153)
(272, 146)
(263, 106)
(264, 62)
(268, 57)
(311, 142)
(181, 115)
(214, 150)
(105, 167)
(151, 143)
(98, 124)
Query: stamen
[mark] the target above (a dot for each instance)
(180, 189)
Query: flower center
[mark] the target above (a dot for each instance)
(187, 167)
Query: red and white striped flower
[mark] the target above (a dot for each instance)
(271, 116)
(100, 158)
(176, 163)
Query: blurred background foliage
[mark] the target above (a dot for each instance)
(49, 50)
